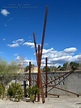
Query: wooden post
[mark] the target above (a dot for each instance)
(29, 74)
(46, 78)
(39, 56)
(38, 77)
(25, 95)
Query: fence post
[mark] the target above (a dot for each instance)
(29, 74)
(25, 95)
(46, 78)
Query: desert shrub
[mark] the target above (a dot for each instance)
(32, 92)
(2, 90)
(15, 91)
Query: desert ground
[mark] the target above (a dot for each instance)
(50, 102)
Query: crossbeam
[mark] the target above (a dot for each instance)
(64, 90)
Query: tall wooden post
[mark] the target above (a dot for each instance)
(29, 74)
(39, 57)
(38, 76)
(46, 78)
(39, 79)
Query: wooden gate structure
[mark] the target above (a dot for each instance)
(40, 84)
(48, 84)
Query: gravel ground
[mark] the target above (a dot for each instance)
(61, 102)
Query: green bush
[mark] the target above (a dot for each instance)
(15, 91)
(2, 90)
(32, 92)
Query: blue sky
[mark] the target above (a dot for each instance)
(20, 18)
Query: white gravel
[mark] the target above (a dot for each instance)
(61, 102)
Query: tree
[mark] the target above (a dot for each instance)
(3, 70)
(65, 66)
(13, 67)
(79, 66)
(7, 71)
(44, 69)
(74, 65)
(52, 68)
(13, 70)
(62, 69)
(27, 67)
(59, 67)
(3, 66)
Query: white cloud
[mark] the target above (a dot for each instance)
(19, 41)
(4, 12)
(15, 54)
(78, 58)
(47, 51)
(4, 39)
(16, 43)
(13, 45)
(24, 61)
(32, 61)
(18, 57)
(70, 50)
(29, 44)
(60, 57)
(55, 58)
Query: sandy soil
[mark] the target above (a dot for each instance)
(61, 102)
